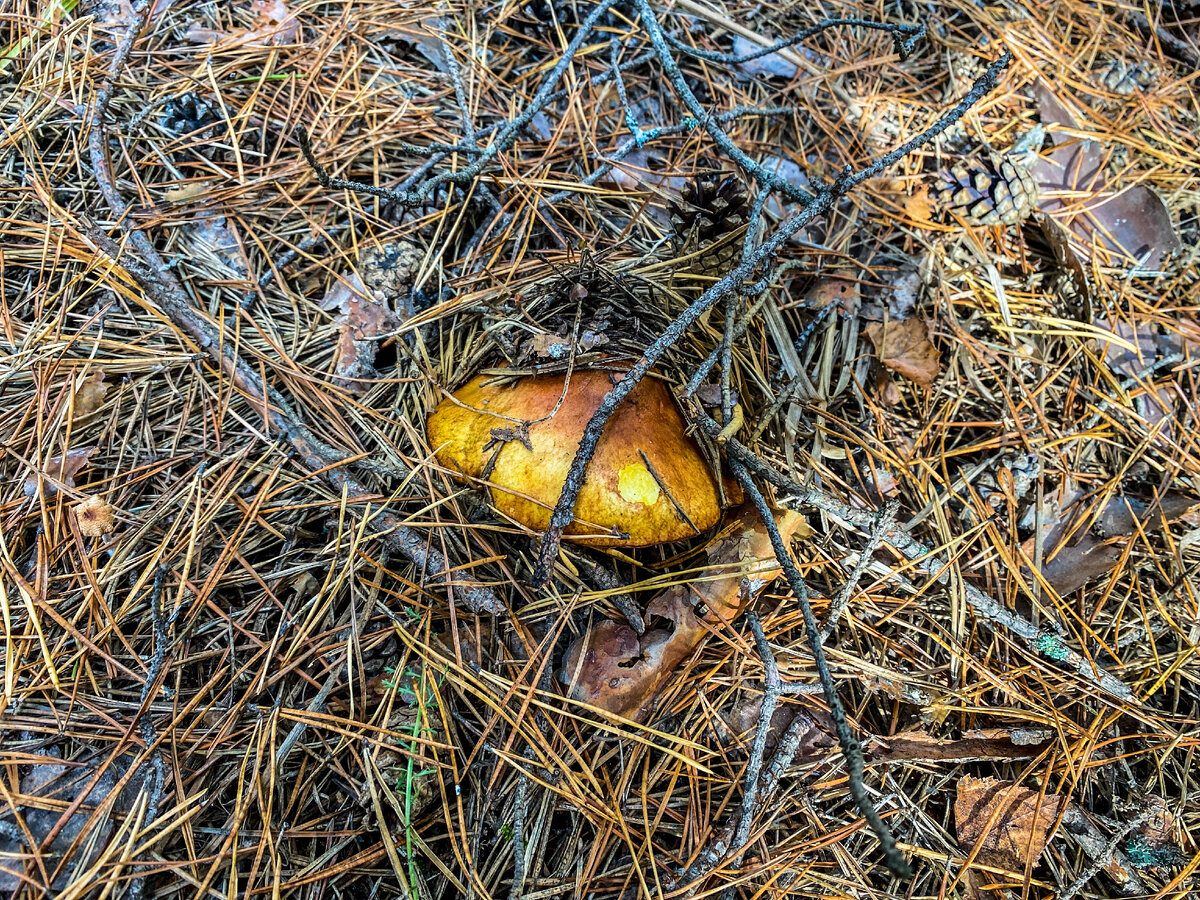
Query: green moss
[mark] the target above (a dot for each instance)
(1145, 855)
(1050, 645)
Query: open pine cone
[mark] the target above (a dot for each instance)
(190, 112)
(710, 207)
(996, 191)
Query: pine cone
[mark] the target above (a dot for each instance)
(188, 113)
(998, 191)
(711, 205)
(709, 208)
(963, 68)
(1121, 77)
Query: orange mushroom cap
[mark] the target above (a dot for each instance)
(648, 479)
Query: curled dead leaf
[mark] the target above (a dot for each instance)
(1010, 824)
(60, 472)
(274, 23)
(612, 668)
(1059, 240)
(904, 347)
(773, 65)
(737, 724)
(1152, 403)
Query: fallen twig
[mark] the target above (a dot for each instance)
(824, 200)
(850, 746)
(989, 608)
(162, 286)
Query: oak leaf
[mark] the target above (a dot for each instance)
(904, 347)
(612, 668)
(1010, 824)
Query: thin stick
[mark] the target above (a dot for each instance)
(883, 521)
(504, 139)
(622, 600)
(162, 286)
(850, 747)
(770, 702)
(905, 37)
(717, 848)
(156, 777)
(1105, 856)
(631, 144)
(743, 324)
(989, 608)
(520, 802)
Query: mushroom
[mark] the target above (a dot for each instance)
(648, 482)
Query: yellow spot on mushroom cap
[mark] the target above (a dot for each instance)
(637, 485)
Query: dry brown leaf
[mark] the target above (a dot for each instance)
(549, 345)
(639, 170)
(216, 239)
(904, 347)
(1059, 240)
(1078, 544)
(59, 471)
(363, 321)
(917, 205)
(612, 668)
(1128, 225)
(274, 23)
(1010, 824)
(89, 397)
(95, 517)
(842, 291)
(773, 65)
(306, 586)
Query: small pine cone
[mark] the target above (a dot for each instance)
(391, 268)
(1121, 77)
(709, 208)
(995, 192)
(188, 113)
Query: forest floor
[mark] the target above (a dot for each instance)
(262, 639)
